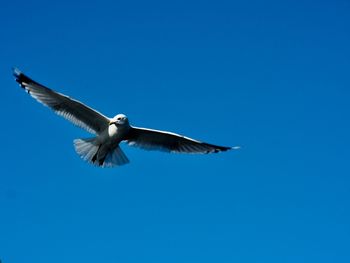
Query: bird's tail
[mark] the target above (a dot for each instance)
(91, 151)
(86, 148)
(115, 157)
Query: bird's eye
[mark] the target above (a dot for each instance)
(119, 118)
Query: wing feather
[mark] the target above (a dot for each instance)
(70, 109)
(149, 139)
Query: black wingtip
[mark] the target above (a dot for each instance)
(217, 149)
(21, 78)
(225, 148)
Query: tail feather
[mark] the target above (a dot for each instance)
(86, 148)
(116, 157)
(91, 151)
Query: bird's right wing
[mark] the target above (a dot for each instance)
(73, 110)
(149, 139)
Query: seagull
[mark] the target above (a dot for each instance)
(103, 150)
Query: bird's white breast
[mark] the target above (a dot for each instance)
(112, 130)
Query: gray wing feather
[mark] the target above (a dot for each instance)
(73, 110)
(149, 139)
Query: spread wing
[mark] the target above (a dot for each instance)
(169, 142)
(73, 110)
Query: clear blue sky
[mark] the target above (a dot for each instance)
(271, 76)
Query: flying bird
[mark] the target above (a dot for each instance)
(103, 150)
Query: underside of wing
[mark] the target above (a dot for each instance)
(149, 139)
(73, 110)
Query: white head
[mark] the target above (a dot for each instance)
(119, 120)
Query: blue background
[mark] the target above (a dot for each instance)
(271, 76)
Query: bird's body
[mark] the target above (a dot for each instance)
(104, 150)
(106, 143)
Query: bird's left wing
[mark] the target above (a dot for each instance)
(149, 139)
(73, 110)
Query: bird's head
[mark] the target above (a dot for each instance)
(119, 120)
